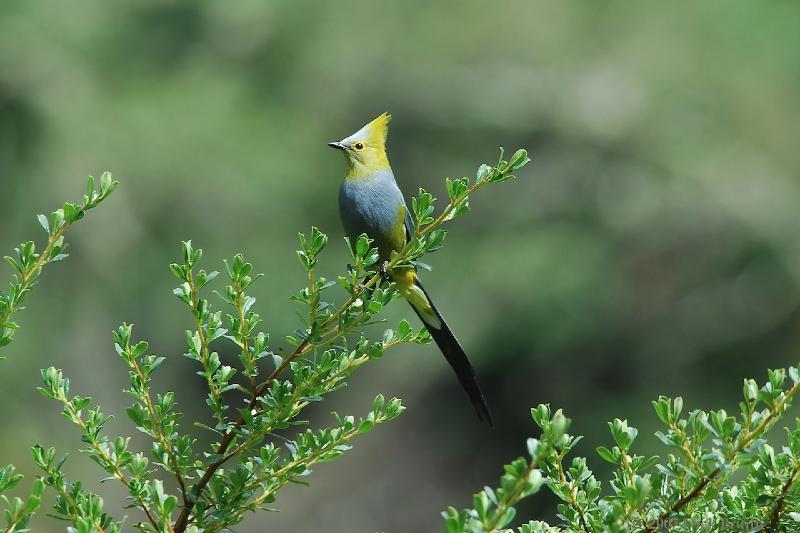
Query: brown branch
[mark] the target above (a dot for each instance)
(227, 439)
(698, 489)
(781, 501)
(762, 427)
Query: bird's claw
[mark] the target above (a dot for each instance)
(384, 270)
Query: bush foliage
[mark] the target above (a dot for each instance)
(719, 472)
(691, 489)
(267, 392)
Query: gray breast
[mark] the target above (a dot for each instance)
(370, 205)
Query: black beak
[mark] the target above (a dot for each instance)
(337, 145)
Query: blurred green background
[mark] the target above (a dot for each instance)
(649, 249)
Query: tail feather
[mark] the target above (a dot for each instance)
(454, 353)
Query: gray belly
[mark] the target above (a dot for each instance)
(370, 206)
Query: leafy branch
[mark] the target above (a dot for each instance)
(733, 436)
(156, 417)
(494, 509)
(113, 456)
(260, 448)
(648, 494)
(18, 513)
(28, 263)
(247, 467)
(74, 504)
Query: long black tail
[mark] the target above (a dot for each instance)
(454, 353)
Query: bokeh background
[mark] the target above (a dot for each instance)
(651, 248)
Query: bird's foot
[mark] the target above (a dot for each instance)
(384, 271)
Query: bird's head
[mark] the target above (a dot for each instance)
(365, 150)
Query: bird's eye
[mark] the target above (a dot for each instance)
(359, 146)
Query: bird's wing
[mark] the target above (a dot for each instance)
(409, 223)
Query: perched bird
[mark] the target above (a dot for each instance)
(371, 202)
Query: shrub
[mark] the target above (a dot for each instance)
(268, 391)
(691, 489)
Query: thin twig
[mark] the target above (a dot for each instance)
(118, 473)
(204, 342)
(514, 495)
(159, 435)
(573, 501)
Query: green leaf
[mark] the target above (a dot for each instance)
(70, 212)
(518, 160)
(484, 172)
(106, 183)
(622, 433)
(362, 245)
(44, 223)
(606, 455)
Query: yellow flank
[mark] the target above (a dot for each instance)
(404, 278)
(398, 237)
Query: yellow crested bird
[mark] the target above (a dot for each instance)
(371, 202)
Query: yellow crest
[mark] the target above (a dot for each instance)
(375, 132)
(365, 150)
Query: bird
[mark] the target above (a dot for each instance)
(370, 202)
